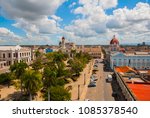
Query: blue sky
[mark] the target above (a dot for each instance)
(80, 21)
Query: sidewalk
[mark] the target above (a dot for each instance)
(81, 83)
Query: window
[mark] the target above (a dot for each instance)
(20, 54)
(14, 55)
(3, 55)
(9, 55)
(9, 62)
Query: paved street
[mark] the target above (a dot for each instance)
(103, 90)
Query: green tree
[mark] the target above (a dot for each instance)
(76, 67)
(19, 69)
(59, 93)
(32, 82)
(6, 78)
(50, 74)
(37, 65)
(37, 53)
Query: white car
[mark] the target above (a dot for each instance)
(109, 78)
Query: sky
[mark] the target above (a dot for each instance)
(89, 22)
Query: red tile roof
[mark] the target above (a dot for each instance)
(140, 91)
(125, 69)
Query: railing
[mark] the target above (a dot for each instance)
(128, 94)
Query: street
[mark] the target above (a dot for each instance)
(103, 89)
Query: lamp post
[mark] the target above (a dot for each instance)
(84, 78)
(78, 92)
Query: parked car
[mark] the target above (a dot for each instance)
(93, 78)
(92, 84)
(109, 78)
(92, 81)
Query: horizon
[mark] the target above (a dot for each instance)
(29, 22)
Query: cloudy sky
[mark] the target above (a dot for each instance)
(80, 21)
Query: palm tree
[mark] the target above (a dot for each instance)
(32, 81)
(50, 74)
(19, 69)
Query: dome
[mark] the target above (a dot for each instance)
(114, 40)
(63, 38)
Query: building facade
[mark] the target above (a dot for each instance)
(65, 46)
(94, 51)
(121, 57)
(12, 54)
(138, 60)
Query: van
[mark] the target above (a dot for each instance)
(109, 78)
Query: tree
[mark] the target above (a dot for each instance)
(59, 93)
(37, 54)
(6, 78)
(50, 74)
(37, 65)
(76, 66)
(32, 81)
(19, 69)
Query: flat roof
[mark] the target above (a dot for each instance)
(140, 91)
(133, 80)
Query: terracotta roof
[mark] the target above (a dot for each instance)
(114, 40)
(140, 91)
(125, 69)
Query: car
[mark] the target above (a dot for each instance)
(92, 84)
(93, 78)
(109, 78)
(95, 65)
(92, 81)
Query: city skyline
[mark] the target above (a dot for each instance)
(29, 22)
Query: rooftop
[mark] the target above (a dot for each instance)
(4, 48)
(140, 91)
(138, 86)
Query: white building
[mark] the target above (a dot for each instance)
(11, 54)
(119, 57)
(138, 60)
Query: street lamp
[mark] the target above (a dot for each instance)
(78, 92)
(84, 78)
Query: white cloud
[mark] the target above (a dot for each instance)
(57, 18)
(72, 5)
(125, 23)
(6, 36)
(30, 9)
(92, 25)
(105, 4)
(5, 32)
(37, 18)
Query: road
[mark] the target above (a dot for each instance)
(103, 90)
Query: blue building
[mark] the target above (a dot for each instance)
(48, 50)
